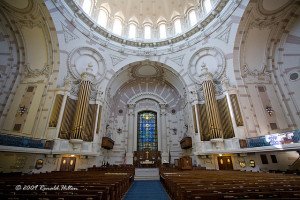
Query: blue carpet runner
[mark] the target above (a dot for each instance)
(144, 190)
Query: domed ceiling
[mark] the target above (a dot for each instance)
(149, 22)
(147, 10)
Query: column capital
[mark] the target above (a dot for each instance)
(193, 95)
(131, 106)
(67, 84)
(226, 85)
(99, 96)
(163, 105)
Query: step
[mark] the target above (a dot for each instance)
(144, 178)
(146, 174)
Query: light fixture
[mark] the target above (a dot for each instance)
(269, 110)
(72, 155)
(22, 110)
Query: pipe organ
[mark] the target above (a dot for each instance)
(214, 119)
(82, 107)
(79, 117)
(212, 111)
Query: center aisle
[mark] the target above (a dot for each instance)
(143, 190)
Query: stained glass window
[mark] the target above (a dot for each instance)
(147, 131)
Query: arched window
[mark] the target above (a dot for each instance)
(132, 31)
(86, 6)
(117, 27)
(102, 18)
(177, 25)
(147, 32)
(192, 17)
(147, 131)
(162, 31)
(207, 6)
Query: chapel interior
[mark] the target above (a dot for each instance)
(185, 89)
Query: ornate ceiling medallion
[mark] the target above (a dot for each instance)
(211, 57)
(85, 58)
(146, 70)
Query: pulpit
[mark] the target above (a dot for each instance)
(107, 143)
(146, 159)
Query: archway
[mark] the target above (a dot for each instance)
(146, 86)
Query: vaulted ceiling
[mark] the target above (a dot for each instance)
(147, 10)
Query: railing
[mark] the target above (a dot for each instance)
(276, 139)
(22, 141)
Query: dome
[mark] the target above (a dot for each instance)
(135, 22)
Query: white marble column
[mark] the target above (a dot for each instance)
(231, 111)
(228, 90)
(163, 118)
(96, 121)
(197, 120)
(130, 136)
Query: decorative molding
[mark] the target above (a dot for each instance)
(116, 59)
(224, 35)
(31, 73)
(178, 60)
(91, 57)
(263, 23)
(147, 104)
(30, 9)
(198, 59)
(255, 75)
(263, 11)
(146, 95)
(74, 89)
(136, 73)
(68, 35)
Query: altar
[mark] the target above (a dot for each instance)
(147, 159)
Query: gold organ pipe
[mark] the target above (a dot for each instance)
(212, 109)
(81, 110)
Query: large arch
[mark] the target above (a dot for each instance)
(146, 85)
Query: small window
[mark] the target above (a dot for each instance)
(294, 76)
(192, 18)
(147, 32)
(274, 159)
(86, 6)
(207, 6)
(102, 18)
(162, 31)
(264, 159)
(177, 25)
(132, 31)
(117, 27)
